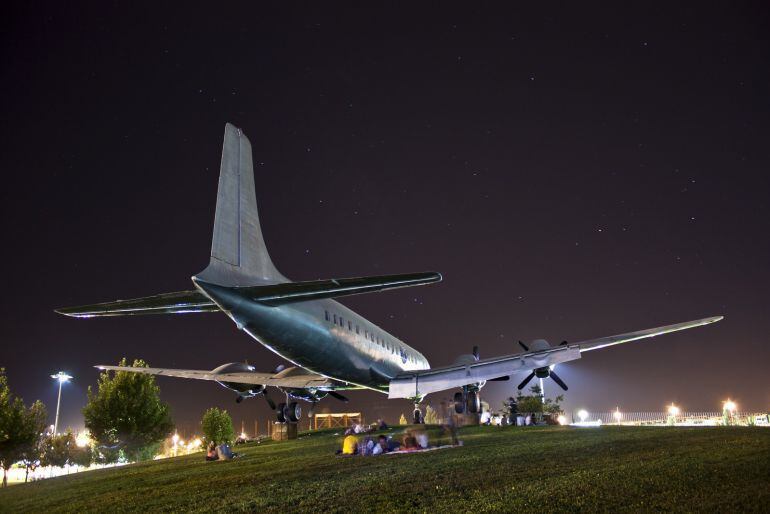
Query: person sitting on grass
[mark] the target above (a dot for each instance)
(211, 452)
(225, 453)
(410, 443)
(381, 446)
(350, 445)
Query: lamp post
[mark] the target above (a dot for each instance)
(61, 377)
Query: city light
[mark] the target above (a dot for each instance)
(673, 410)
(729, 406)
(60, 377)
(82, 439)
(583, 414)
(244, 436)
(562, 419)
(617, 415)
(175, 439)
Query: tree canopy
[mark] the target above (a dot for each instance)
(20, 428)
(217, 426)
(535, 404)
(126, 415)
(62, 450)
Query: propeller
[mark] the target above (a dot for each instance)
(526, 380)
(476, 353)
(559, 381)
(526, 348)
(338, 396)
(543, 373)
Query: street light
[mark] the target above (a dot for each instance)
(617, 415)
(61, 377)
(730, 406)
(583, 415)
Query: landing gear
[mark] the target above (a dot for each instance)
(417, 416)
(288, 413)
(473, 402)
(467, 401)
(238, 399)
(294, 412)
(459, 403)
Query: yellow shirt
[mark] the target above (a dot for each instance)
(349, 445)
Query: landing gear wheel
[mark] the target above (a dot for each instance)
(459, 403)
(473, 402)
(417, 417)
(294, 412)
(281, 413)
(238, 399)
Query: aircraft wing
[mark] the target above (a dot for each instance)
(420, 383)
(277, 294)
(185, 302)
(302, 380)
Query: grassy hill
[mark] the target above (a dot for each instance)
(499, 469)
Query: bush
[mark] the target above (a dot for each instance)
(217, 426)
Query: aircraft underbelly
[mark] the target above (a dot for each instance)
(294, 333)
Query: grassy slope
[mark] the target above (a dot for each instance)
(550, 468)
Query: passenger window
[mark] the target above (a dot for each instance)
(350, 325)
(335, 319)
(357, 332)
(342, 322)
(326, 315)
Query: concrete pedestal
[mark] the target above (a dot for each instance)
(284, 431)
(467, 420)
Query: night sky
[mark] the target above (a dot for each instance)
(573, 172)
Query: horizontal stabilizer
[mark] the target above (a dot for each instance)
(299, 380)
(181, 302)
(277, 294)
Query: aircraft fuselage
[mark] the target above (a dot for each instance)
(322, 336)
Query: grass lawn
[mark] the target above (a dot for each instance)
(498, 469)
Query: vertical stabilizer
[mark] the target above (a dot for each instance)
(238, 253)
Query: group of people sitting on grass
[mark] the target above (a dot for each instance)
(363, 444)
(220, 452)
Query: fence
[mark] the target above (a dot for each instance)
(337, 419)
(664, 418)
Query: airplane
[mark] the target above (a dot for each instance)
(331, 347)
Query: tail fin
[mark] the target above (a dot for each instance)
(238, 253)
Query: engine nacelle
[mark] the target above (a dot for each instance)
(243, 390)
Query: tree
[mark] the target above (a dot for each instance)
(82, 456)
(431, 416)
(20, 428)
(126, 416)
(217, 426)
(535, 405)
(57, 449)
(402, 420)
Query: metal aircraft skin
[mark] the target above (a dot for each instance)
(332, 347)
